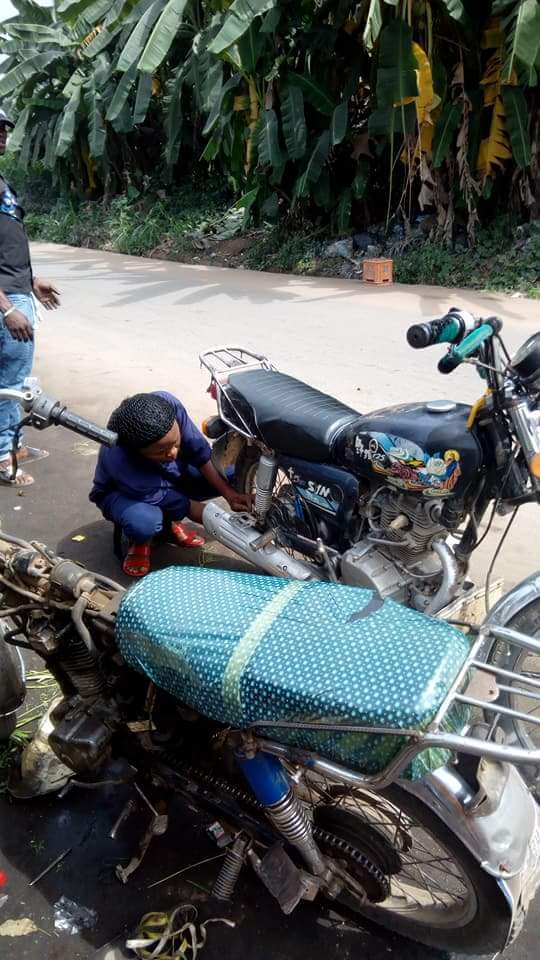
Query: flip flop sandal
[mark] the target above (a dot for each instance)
(20, 479)
(34, 453)
(137, 562)
(186, 538)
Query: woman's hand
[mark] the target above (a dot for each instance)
(240, 502)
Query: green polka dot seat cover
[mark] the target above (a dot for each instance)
(240, 648)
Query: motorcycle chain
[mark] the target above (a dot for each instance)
(337, 845)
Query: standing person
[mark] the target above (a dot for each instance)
(159, 472)
(18, 318)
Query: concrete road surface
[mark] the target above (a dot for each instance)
(126, 325)
(129, 324)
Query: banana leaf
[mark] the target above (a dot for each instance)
(314, 92)
(338, 126)
(269, 150)
(174, 117)
(521, 25)
(162, 36)
(38, 34)
(294, 122)
(238, 19)
(396, 73)
(323, 191)
(69, 122)
(517, 123)
(391, 120)
(231, 83)
(121, 94)
(142, 100)
(135, 45)
(495, 148)
(27, 69)
(445, 130)
(16, 139)
(373, 25)
(97, 133)
(315, 165)
(90, 17)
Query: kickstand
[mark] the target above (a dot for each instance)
(156, 828)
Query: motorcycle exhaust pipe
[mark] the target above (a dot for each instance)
(238, 533)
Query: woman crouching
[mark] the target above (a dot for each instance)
(159, 473)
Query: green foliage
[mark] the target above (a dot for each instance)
(498, 261)
(352, 112)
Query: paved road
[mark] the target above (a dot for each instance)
(128, 324)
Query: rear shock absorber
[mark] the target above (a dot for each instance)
(227, 878)
(271, 786)
(266, 477)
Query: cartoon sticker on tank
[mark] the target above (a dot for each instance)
(407, 466)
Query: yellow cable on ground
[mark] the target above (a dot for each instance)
(157, 936)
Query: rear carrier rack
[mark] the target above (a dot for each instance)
(220, 363)
(481, 691)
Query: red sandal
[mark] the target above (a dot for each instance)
(186, 538)
(137, 562)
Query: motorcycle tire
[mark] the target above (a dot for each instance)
(479, 926)
(518, 732)
(7, 726)
(246, 469)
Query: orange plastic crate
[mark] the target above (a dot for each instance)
(378, 271)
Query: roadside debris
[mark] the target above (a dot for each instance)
(175, 935)
(70, 917)
(51, 866)
(18, 928)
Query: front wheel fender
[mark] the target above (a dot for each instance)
(515, 601)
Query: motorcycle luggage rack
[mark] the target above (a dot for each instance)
(476, 687)
(220, 362)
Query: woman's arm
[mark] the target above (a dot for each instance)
(236, 501)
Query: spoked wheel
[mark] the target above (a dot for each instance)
(420, 880)
(526, 664)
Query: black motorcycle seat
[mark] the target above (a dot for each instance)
(288, 415)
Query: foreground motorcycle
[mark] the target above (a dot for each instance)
(333, 735)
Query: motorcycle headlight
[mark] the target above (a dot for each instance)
(526, 362)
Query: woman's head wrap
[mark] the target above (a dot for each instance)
(142, 420)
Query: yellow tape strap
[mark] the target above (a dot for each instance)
(248, 643)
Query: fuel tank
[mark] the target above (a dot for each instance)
(423, 448)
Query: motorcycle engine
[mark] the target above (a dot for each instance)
(394, 556)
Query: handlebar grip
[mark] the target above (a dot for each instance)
(85, 428)
(447, 329)
(468, 346)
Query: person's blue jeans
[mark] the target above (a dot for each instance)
(141, 521)
(15, 365)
